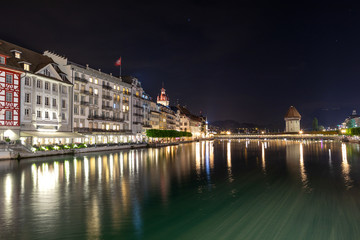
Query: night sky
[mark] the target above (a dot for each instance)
(237, 60)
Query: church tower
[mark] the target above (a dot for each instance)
(292, 120)
(163, 99)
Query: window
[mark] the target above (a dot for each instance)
(63, 89)
(27, 112)
(96, 91)
(27, 81)
(46, 72)
(17, 55)
(27, 97)
(96, 81)
(76, 86)
(38, 83)
(54, 102)
(46, 115)
(26, 67)
(63, 117)
(8, 115)
(114, 87)
(38, 114)
(76, 98)
(2, 60)
(63, 103)
(54, 115)
(54, 87)
(76, 111)
(9, 78)
(82, 111)
(9, 97)
(46, 101)
(90, 80)
(38, 99)
(47, 86)
(95, 101)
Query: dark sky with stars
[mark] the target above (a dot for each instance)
(231, 60)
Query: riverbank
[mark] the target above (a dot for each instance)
(18, 155)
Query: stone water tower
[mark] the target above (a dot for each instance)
(292, 120)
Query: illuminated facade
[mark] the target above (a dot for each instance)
(10, 74)
(163, 99)
(44, 91)
(292, 120)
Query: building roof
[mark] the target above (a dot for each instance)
(36, 61)
(186, 112)
(292, 113)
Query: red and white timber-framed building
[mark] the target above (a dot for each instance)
(9, 96)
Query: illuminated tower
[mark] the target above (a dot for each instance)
(163, 99)
(292, 120)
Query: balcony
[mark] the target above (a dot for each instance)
(138, 114)
(127, 93)
(136, 122)
(147, 126)
(83, 91)
(107, 87)
(107, 97)
(125, 101)
(82, 130)
(103, 117)
(84, 103)
(90, 130)
(107, 107)
(81, 79)
(138, 106)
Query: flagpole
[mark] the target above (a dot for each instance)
(120, 68)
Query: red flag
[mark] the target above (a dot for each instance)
(118, 62)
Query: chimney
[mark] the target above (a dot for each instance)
(87, 66)
(110, 74)
(99, 70)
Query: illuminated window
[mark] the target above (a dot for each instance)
(96, 81)
(96, 91)
(26, 67)
(114, 87)
(90, 80)
(118, 88)
(124, 108)
(17, 55)
(76, 86)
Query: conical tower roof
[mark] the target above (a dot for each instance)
(292, 113)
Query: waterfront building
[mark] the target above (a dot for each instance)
(45, 115)
(292, 120)
(107, 109)
(11, 69)
(154, 115)
(167, 118)
(191, 123)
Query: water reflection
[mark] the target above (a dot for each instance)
(345, 167)
(125, 193)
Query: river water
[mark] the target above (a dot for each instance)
(239, 189)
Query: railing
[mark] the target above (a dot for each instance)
(84, 103)
(147, 125)
(102, 117)
(89, 130)
(136, 122)
(81, 79)
(138, 114)
(127, 93)
(107, 107)
(107, 97)
(138, 106)
(108, 87)
(83, 91)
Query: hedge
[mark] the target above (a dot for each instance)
(156, 133)
(353, 131)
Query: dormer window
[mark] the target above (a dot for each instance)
(17, 53)
(26, 67)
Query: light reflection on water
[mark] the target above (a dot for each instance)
(184, 191)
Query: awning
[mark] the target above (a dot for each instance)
(48, 134)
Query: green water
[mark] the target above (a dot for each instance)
(206, 190)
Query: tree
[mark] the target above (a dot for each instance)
(315, 124)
